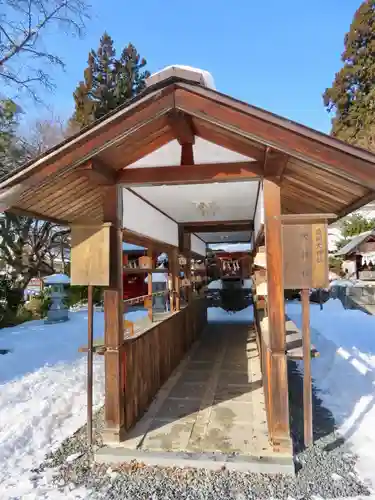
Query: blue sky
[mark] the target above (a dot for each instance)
(278, 55)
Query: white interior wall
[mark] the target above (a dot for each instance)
(259, 212)
(142, 218)
(197, 245)
(204, 152)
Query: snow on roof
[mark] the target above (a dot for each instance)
(57, 279)
(197, 75)
(354, 243)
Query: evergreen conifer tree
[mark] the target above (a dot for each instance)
(352, 95)
(108, 81)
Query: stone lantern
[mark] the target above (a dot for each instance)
(57, 285)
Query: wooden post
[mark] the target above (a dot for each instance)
(307, 393)
(187, 248)
(149, 285)
(90, 341)
(278, 420)
(176, 283)
(114, 322)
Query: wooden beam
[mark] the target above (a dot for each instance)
(97, 172)
(182, 127)
(306, 218)
(275, 163)
(293, 139)
(114, 410)
(277, 374)
(217, 226)
(187, 154)
(145, 241)
(191, 174)
(357, 204)
(98, 137)
(228, 140)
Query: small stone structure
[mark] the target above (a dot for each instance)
(57, 284)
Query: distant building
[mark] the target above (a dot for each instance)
(359, 256)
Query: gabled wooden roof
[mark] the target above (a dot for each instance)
(317, 172)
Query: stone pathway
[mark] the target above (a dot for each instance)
(214, 402)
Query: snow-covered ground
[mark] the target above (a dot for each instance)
(219, 315)
(218, 284)
(345, 374)
(43, 396)
(43, 387)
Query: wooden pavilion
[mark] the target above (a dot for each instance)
(169, 170)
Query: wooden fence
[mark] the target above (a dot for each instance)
(151, 357)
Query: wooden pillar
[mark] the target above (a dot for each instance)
(307, 391)
(187, 245)
(277, 370)
(114, 322)
(176, 282)
(149, 284)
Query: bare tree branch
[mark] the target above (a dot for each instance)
(23, 24)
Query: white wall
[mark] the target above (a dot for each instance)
(259, 212)
(142, 218)
(198, 246)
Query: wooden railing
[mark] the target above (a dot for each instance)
(150, 358)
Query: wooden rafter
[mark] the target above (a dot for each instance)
(263, 127)
(201, 173)
(182, 127)
(228, 140)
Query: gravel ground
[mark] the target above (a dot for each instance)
(325, 470)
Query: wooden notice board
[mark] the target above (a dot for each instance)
(90, 255)
(305, 255)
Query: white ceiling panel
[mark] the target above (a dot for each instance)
(227, 237)
(204, 152)
(226, 201)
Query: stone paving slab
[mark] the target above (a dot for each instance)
(213, 402)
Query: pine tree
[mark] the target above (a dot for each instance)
(108, 81)
(352, 95)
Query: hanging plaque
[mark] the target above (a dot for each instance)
(305, 256)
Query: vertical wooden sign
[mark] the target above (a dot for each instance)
(90, 255)
(305, 256)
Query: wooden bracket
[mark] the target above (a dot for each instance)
(98, 172)
(275, 163)
(182, 127)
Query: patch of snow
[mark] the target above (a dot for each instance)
(219, 315)
(336, 477)
(247, 283)
(57, 279)
(206, 76)
(43, 398)
(71, 458)
(215, 285)
(344, 374)
(218, 284)
(158, 277)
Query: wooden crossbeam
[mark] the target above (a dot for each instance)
(191, 174)
(217, 226)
